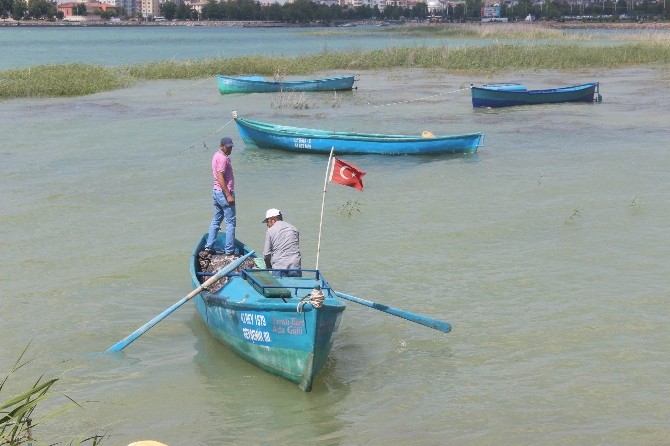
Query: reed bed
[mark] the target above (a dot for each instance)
(61, 80)
(82, 79)
(500, 57)
(194, 69)
(520, 31)
(501, 31)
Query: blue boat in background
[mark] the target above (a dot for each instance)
(259, 84)
(510, 94)
(284, 325)
(296, 139)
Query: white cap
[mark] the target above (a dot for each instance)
(271, 213)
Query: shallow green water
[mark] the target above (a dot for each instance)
(547, 251)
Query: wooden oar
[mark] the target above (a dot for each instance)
(123, 343)
(422, 320)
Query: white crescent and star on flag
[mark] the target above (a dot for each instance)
(346, 174)
(343, 171)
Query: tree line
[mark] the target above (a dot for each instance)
(306, 11)
(298, 11)
(45, 9)
(611, 10)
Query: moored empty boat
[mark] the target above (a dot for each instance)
(510, 94)
(296, 139)
(259, 84)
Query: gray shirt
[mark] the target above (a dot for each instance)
(282, 242)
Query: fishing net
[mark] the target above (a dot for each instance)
(211, 263)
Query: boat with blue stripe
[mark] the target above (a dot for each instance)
(260, 84)
(511, 94)
(283, 321)
(295, 139)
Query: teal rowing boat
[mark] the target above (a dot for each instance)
(510, 94)
(283, 321)
(285, 325)
(259, 84)
(295, 139)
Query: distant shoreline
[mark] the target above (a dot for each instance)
(105, 23)
(263, 24)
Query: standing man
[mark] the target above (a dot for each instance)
(282, 244)
(224, 197)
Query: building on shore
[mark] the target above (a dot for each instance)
(491, 12)
(196, 5)
(130, 6)
(436, 6)
(150, 8)
(69, 9)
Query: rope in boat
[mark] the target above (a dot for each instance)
(316, 298)
(204, 144)
(419, 99)
(170, 92)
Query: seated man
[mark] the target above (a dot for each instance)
(282, 244)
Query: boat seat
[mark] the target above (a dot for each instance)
(267, 284)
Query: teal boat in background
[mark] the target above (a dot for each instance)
(259, 84)
(511, 94)
(296, 139)
(284, 325)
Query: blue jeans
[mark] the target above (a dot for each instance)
(222, 211)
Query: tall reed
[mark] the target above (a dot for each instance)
(16, 414)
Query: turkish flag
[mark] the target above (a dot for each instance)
(347, 174)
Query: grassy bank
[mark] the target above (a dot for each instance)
(81, 79)
(510, 32)
(520, 31)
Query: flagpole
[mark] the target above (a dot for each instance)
(323, 203)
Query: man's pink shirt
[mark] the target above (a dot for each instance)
(221, 163)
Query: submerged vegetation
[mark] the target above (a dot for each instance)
(504, 55)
